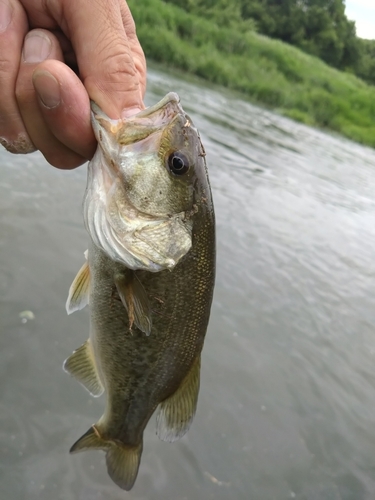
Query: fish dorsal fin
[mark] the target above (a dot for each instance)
(122, 460)
(134, 297)
(78, 296)
(175, 414)
(81, 365)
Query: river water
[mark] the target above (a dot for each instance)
(287, 401)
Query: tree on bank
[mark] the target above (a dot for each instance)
(318, 27)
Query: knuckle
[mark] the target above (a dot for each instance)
(120, 64)
(120, 75)
(115, 56)
(6, 69)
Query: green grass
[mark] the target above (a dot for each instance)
(268, 71)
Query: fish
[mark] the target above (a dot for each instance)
(148, 279)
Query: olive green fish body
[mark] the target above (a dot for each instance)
(148, 279)
(146, 370)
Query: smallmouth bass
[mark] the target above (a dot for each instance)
(148, 279)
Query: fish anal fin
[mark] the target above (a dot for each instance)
(135, 300)
(175, 414)
(122, 460)
(81, 365)
(78, 296)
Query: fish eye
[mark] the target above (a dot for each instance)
(178, 163)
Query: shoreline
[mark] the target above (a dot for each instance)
(265, 71)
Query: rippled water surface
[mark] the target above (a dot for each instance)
(287, 400)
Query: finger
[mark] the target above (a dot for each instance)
(13, 27)
(40, 45)
(67, 49)
(65, 106)
(135, 47)
(103, 53)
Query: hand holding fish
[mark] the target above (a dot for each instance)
(44, 104)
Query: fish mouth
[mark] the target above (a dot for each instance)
(137, 127)
(170, 98)
(169, 102)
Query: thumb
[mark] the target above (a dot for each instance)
(104, 55)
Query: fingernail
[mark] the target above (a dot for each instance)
(128, 112)
(47, 88)
(37, 47)
(6, 12)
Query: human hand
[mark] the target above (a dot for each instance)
(43, 103)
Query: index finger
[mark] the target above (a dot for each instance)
(103, 52)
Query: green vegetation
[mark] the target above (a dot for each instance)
(318, 27)
(268, 71)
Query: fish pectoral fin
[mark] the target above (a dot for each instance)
(122, 460)
(81, 365)
(78, 296)
(175, 414)
(135, 300)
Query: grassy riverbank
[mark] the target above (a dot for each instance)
(268, 71)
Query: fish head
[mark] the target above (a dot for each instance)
(144, 181)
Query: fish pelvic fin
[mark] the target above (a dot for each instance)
(175, 414)
(122, 460)
(81, 364)
(78, 296)
(135, 300)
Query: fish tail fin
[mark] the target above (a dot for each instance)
(123, 464)
(122, 460)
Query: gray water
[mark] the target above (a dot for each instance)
(287, 400)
